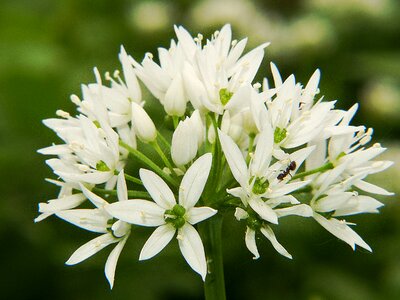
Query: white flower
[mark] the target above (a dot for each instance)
(186, 139)
(165, 80)
(250, 236)
(294, 118)
(170, 217)
(260, 180)
(90, 153)
(98, 220)
(217, 71)
(142, 123)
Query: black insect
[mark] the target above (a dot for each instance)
(284, 173)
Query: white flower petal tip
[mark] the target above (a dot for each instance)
(192, 249)
(198, 214)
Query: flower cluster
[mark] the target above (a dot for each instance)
(229, 145)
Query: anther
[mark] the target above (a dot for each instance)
(62, 114)
(257, 85)
(75, 100)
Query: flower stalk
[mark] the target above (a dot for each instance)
(211, 233)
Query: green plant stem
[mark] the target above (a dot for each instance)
(164, 141)
(140, 156)
(163, 157)
(250, 148)
(325, 167)
(175, 120)
(211, 230)
(133, 179)
(133, 194)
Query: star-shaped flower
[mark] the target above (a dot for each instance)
(169, 216)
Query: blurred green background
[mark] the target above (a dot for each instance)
(48, 48)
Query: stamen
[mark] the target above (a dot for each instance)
(83, 168)
(62, 114)
(257, 85)
(75, 99)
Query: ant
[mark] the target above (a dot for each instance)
(284, 173)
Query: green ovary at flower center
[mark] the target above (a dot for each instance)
(225, 96)
(253, 222)
(176, 216)
(102, 166)
(260, 185)
(279, 135)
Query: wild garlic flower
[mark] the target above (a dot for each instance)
(169, 216)
(98, 220)
(226, 145)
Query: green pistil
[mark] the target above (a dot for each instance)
(176, 216)
(279, 135)
(253, 222)
(102, 166)
(225, 96)
(260, 185)
(341, 154)
(96, 123)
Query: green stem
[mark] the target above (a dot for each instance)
(133, 179)
(164, 141)
(163, 157)
(325, 167)
(251, 146)
(140, 156)
(175, 120)
(211, 230)
(134, 194)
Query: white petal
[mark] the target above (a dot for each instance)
(250, 240)
(359, 204)
(62, 203)
(90, 248)
(276, 75)
(332, 202)
(286, 189)
(112, 260)
(372, 188)
(269, 234)
(184, 144)
(241, 214)
(157, 188)
(194, 180)
(157, 241)
(342, 231)
(198, 214)
(139, 212)
(192, 249)
(263, 154)
(122, 190)
(234, 157)
(96, 200)
(90, 219)
(264, 210)
(302, 210)
(144, 126)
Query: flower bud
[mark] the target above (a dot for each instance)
(184, 143)
(175, 98)
(144, 126)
